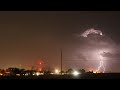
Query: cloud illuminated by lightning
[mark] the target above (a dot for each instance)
(93, 31)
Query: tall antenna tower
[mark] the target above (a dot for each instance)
(61, 61)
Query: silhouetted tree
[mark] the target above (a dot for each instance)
(22, 72)
(69, 71)
(47, 72)
(3, 71)
(82, 71)
(13, 71)
(90, 72)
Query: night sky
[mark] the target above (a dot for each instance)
(27, 37)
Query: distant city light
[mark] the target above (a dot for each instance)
(37, 73)
(51, 73)
(17, 74)
(94, 72)
(56, 71)
(26, 74)
(33, 74)
(75, 73)
(97, 72)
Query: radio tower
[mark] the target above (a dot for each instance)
(61, 61)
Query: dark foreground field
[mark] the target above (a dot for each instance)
(82, 76)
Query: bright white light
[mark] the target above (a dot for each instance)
(101, 34)
(75, 73)
(51, 73)
(97, 72)
(17, 74)
(41, 73)
(37, 73)
(56, 71)
(33, 74)
(26, 74)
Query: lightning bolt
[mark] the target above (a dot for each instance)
(101, 64)
(93, 31)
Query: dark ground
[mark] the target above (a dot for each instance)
(83, 76)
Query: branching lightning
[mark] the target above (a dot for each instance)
(93, 31)
(101, 64)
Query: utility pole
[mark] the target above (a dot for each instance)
(61, 61)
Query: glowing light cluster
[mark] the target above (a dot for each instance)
(91, 31)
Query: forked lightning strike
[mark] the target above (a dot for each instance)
(101, 64)
(93, 31)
